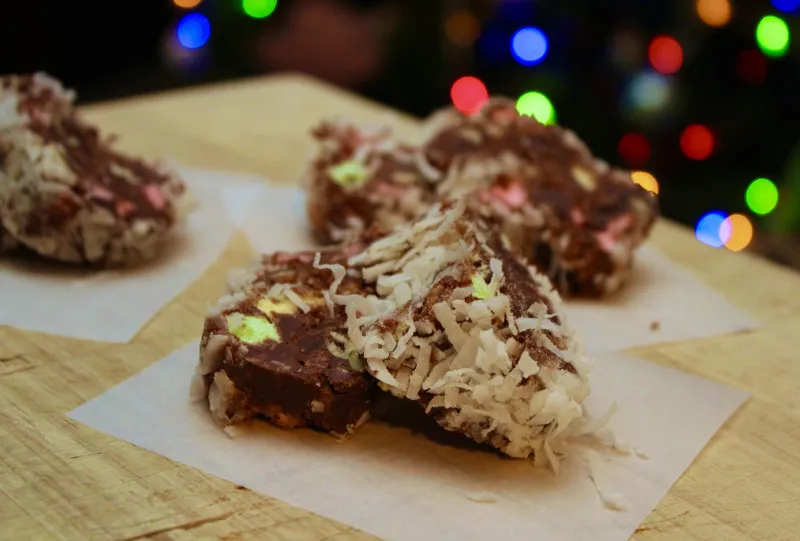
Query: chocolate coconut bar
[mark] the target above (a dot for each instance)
(471, 333)
(574, 217)
(66, 193)
(276, 348)
(360, 180)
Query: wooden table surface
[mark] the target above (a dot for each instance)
(60, 479)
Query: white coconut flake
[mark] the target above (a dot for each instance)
(297, 300)
(527, 366)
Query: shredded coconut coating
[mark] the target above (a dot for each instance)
(67, 194)
(494, 362)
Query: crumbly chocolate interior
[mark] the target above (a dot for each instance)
(297, 380)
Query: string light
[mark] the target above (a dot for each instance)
(714, 13)
(538, 106)
(751, 66)
(649, 91)
(786, 5)
(708, 229)
(634, 148)
(193, 30)
(259, 9)
(462, 28)
(761, 196)
(697, 142)
(469, 95)
(665, 54)
(736, 232)
(772, 35)
(646, 181)
(529, 46)
(187, 4)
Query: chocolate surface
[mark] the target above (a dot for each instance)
(296, 381)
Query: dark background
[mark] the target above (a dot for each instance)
(408, 53)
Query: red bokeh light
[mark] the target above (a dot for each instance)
(634, 149)
(697, 142)
(751, 67)
(665, 54)
(469, 95)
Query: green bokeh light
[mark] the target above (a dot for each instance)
(761, 196)
(538, 106)
(772, 35)
(259, 9)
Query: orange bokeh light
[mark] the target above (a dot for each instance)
(737, 231)
(462, 28)
(665, 54)
(714, 12)
(645, 180)
(186, 4)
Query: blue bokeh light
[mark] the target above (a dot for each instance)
(529, 45)
(193, 30)
(709, 229)
(787, 6)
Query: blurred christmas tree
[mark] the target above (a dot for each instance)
(701, 98)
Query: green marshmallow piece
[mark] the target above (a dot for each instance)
(348, 174)
(252, 329)
(482, 290)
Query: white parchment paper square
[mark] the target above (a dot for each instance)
(662, 302)
(112, 305)
(403, 486)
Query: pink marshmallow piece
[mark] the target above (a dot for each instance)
(608, 237)
(513, 195)
(156, 197)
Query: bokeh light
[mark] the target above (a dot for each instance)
(462, 28)
(259, 9)
(772, 35)
(645, 180)
(697, 142)
(469, 94)
(786, 5)
(529, 45)
(649, 91)
(714, 12)
(634, 149)
(193, 31)
(709, 227)
(186, 4)
(736, 232)
(626, 49)
(761, 196)
(538, 106)
(665, 54)
(751, 67)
